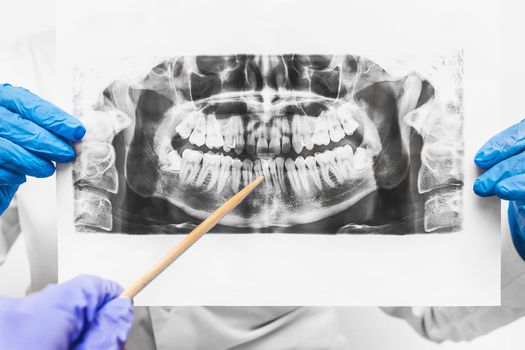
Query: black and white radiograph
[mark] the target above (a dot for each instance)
(344, 145)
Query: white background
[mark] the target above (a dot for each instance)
(366, 328)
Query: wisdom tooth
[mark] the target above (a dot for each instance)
(301, 171)
(334, 127)
(236, 175)
(296, 134)
(293, 177)
(190, 165)
(361, 159)
(226, 163)
(247, 171)
(198, 136)
(345, 117)
(210, 166)
(320, 136)
(313, 171)
(174, 160)
(214, 138)
(186, 126)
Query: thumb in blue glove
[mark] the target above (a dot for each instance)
(504, 158)
(84, 313)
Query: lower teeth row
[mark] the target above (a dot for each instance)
(304, 175)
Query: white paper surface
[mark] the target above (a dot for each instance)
(461, 268)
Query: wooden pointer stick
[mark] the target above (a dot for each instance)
(191, 238)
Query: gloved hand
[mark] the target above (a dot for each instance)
(504, 157)
(33, 133)
(82, 314)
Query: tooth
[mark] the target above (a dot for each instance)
(279, 164)
(313, 171)
(214, 137)
(236, 175)
(285, 130)
(296, 134)
(301, 172)
(210, 166)
(293, 177)
(326, 161)
(250, 139)
(257, 169)
(190, 165)
(186, 126)
(308, 127)
(345, 117)
(273, 172)
(361, 159)
(342, 156)
(227, 130)
(239, 135)
(226, 163)
(174, 160)
(198, 136)
(334, 127)
(262, 140)
(265, 166)
(275, 137)
(320, 136)
(247, 171)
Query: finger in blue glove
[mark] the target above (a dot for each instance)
(48, 116)
(502, 146)
(487, 182)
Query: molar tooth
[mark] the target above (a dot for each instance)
(226, 163)
(330, 158)
(362, 159)
(174, 160)
(228, 131)
(210, 166)
(214, 137)
(186, 126)
(342, 157)
(321, 136)
(247, 171)
(334, 127)
(236, 175)
(198, 136)
(324, 163)
(297, 134)
(314, 171)
(301, 172)
(345, 117)
(190, 165)
(293, 177)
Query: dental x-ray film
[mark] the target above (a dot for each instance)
(345, 146)
(363, 116)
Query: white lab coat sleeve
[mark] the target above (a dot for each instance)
(465, 323)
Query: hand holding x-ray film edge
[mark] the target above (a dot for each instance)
(190, 239)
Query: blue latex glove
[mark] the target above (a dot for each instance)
(33, 133)
(82, 314)
(504, 157)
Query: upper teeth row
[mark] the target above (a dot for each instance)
(304, 174)
(278, 138)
